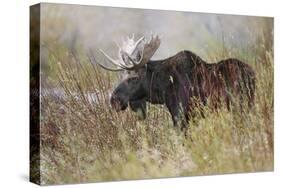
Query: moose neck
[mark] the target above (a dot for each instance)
(152, 83)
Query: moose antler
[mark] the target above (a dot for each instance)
(133, 54)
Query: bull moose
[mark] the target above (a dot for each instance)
(175, 81)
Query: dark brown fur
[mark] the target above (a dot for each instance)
(175, 81)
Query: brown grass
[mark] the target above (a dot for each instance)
(84, 140)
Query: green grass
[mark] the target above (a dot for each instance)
(86, 142)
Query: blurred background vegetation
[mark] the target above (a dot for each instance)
(84, 140)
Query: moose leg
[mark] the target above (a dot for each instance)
(175, 114)
(173, 107)
(180, 116)
(139, 106)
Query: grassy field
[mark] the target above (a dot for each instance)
(84, 140)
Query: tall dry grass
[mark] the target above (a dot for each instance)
(84, 140)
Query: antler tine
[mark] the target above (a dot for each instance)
(93, 60)
(137, 43)
(131, 60)
(110, 69)
(129, 64)
(150, 48)
(142, 38)
(112, 61)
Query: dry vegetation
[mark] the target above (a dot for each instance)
(84, 140)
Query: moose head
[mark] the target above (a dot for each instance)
(133, 56)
